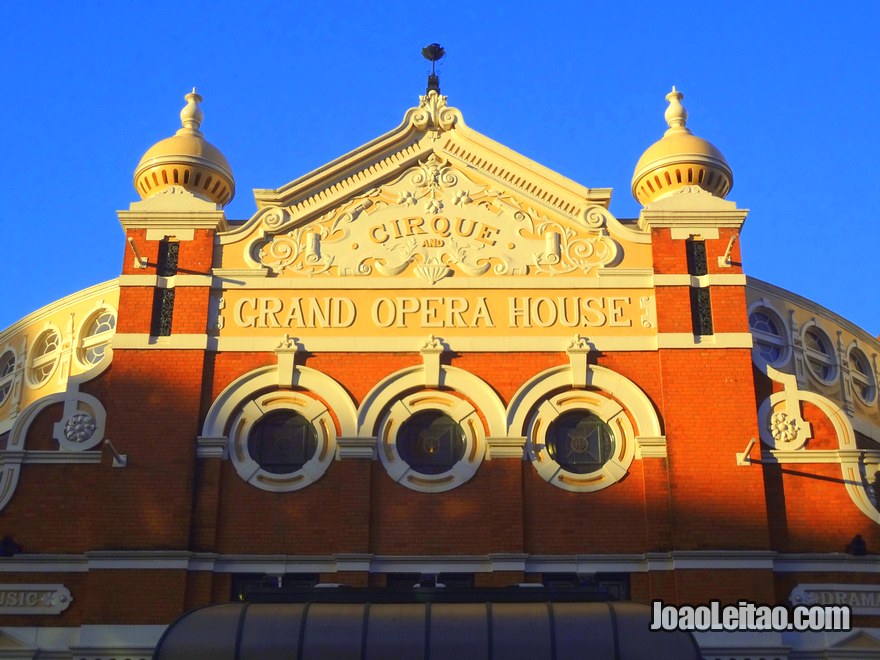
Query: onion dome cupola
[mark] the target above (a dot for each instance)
(186, 160)
(680, 159)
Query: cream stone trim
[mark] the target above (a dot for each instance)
(49, 457)
(700, 233)
(432, 127)
(252, 411)
(124, 340)
(171, 223)
(855, 463)
(651, 447)
(713, 279)
(401, 383)
(212, 447)
(41, 360)
(505, 447)
(760, 287)
(764, 305)
(558, 390)
(181, 235)
(610, 412)
(250, 384)
(81, 428)
(502, 344)
(356, 448)
(103, 289)
(459, 410)
(820, 456)
(89, 316)
(832, 360)
(718, 340)
(607, 278)
(583, 563)
(544, 384)
(855, 379)
(166, 282)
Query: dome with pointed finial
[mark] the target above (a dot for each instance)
(187, 160)
(680, 159)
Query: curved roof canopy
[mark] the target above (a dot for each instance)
(255, 631)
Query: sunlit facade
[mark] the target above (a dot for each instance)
(433, 361)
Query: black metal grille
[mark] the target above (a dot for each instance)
(169, 251)
(163, 311)
(701, 311)
(696, 257)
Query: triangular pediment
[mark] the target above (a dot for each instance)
(431, 199)
(859, 640)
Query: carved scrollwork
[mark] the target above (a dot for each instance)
(433, 113)
(594, 216)
(274, 217)
(298, 251)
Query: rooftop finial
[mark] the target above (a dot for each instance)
(433, 53)
(191, 115)
(676, 116)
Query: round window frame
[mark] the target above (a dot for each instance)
(55, 353)
(860, 379)
(8, 379)
(608, 411)
(833, 361)
(782, 340)
(259, 406)
(82, 336)
(459, 410)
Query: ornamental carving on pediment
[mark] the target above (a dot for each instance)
(435, 221)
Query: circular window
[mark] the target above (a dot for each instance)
(819, 355)
(580, 442)
(96, 335)
(862, 376)
(767, 331)
(282, 442)
(44, 357)
(431, 442)
(7, 369)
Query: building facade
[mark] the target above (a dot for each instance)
(433, 360)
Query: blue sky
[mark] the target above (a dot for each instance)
(786, 90)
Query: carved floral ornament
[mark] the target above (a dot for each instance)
(438, 221)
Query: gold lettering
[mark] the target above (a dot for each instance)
(574, 320)
(486, 235)
(440, 226)
(376, 312)
(269, 307)
(593, 314)
(615, 306)
(319, 313)
(238, 313)
(482, 313)
(546, 319)
(340, 320)
(414, 226)
(460, 227)
(375, 230)
(405, 305)
(519, 311)
(429, 313)
(455, 306)
(295, 315)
